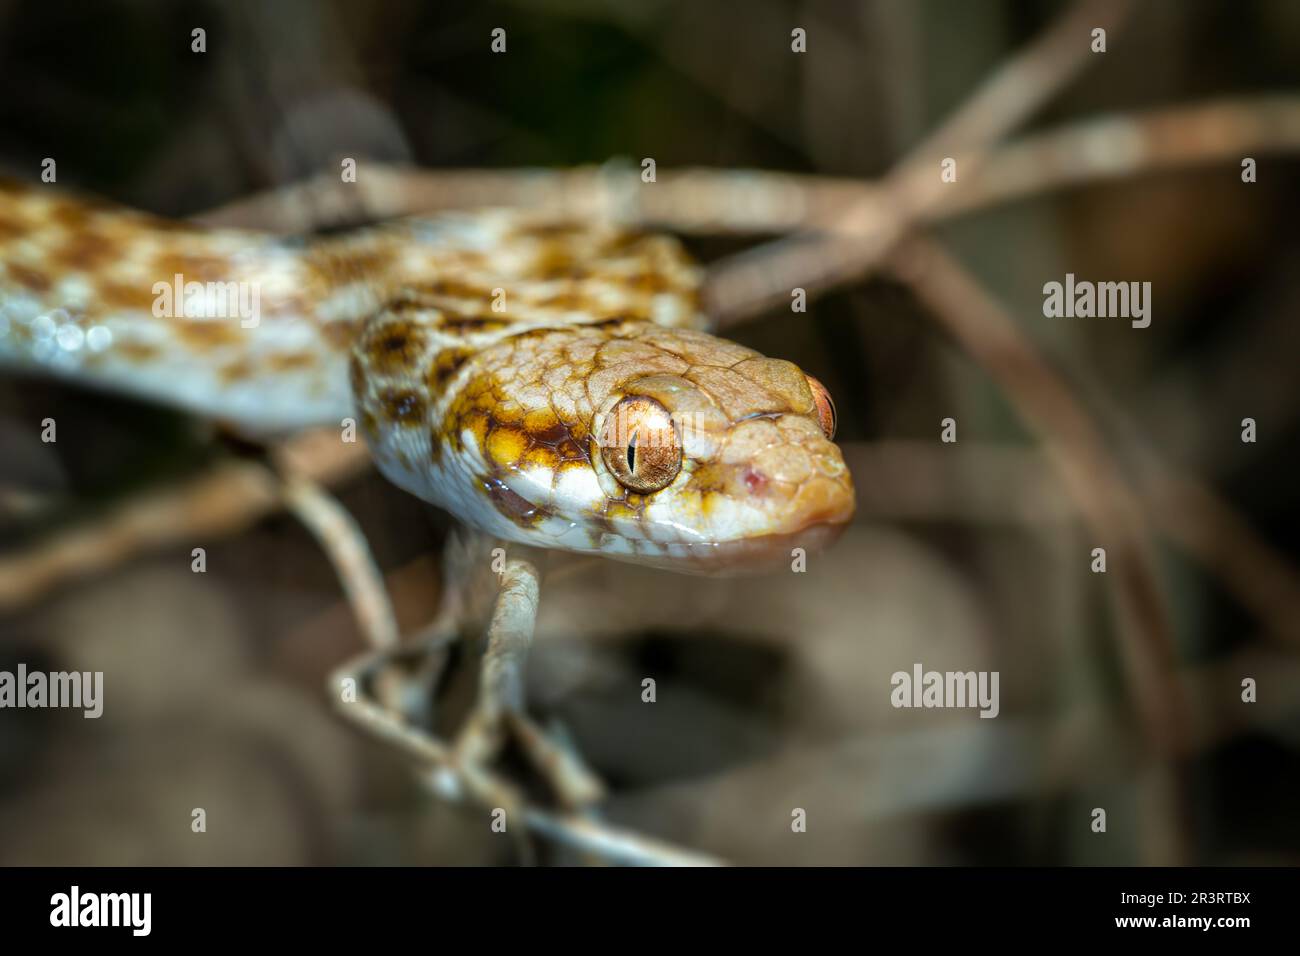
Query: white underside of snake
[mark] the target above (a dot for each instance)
(548, 383)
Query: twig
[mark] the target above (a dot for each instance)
(1092, 478)
(1122, 145)
(740, 202)
(1087, 471)
(510, 636)
(500, 706)
(1198, 519)
(223, 501)
(579, 831)
(1020, 86)
(860, 234)
(344, 543)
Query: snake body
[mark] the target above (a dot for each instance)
(549, 383)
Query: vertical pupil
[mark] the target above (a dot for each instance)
(631, 453)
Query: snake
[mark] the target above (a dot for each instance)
(549, 382)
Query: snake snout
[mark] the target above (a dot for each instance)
(787, 469)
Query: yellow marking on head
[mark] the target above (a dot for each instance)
(506, 446)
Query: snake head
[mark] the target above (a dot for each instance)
(659, 446)
(719, 468)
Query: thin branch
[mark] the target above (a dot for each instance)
(1094, 480)
(342, 540)
(746, 202)
(225, 500)
(1127, 145)
(510, 637)
(861, 234)
(1024, 82)
(576, 830)
(743, 202)
(1207, 527)
(1110, 509)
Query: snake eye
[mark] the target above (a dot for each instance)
(640, 445)
(825, 407)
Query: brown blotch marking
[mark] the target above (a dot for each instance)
(402, 406)
(550, 230)
(445, 365)
(235, 371)
(333, 263)
(514, 506)
(527, 335)
(356, 376)
(459, 324)
(193, 268)
(623, 242)
(29, 278)
(608, 323)
(396, 346)
(572, 451)
(570, 300)
(544, 427)
(563, 443)
(202, 334)
(648, 281)
(85, 251)
(291, 361)
(118, 295)
(340, 333)
(602, 523)
(457, 289)
(12, 227)
(409, 303)
(623, 325)
(694, 297)
(73, 215)
(79, 212)
(556, 261)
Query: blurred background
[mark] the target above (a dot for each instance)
(1119, 690)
